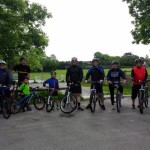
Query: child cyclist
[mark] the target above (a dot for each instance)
(54, 87)
(24, 91)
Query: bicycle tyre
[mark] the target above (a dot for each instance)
(50, 105)
(118, 101)
(6, 109)
(71, 106)
(92, 102)
(39, 102)
(141, 102)
(146, 97)
(15, 108)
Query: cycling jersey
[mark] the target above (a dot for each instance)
(139, 73)
(24, 88)
(5, 77)
(96, 73)
(74, 74)
(53, 83)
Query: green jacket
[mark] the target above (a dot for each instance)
(24, 88)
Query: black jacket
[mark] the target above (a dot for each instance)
(74, 74)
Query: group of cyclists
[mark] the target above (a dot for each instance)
(115, 74)
(74, 74)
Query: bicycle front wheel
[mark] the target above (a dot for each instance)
(141, 102)
(68, 103)
(49, 104)
(39, 102)
(6, 109)
(92, 102)
(146, 97)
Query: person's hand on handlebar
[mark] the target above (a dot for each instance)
(124, 81)
(101, 81)
(85, 81)
(109, 82)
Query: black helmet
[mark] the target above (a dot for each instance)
(138, 60)
(114, 63)
(95, 59)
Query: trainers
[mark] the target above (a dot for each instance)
(133, 106)
(103, 107)
(80, 108)
(88, 106)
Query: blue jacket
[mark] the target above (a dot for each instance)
(5, 77)
(53, 83)
(96, 73)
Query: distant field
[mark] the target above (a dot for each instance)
(46, 75)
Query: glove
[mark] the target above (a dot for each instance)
(85, 81)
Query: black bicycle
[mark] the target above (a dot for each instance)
(69, 102)
(5, 103)
(94, 97)
(116, 85)
(143, 95)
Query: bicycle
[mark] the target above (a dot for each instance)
(39, 101)
(69, 102)
(116, 85)
(5, 103)
(143, 95)
(50, 100)
(94, 97)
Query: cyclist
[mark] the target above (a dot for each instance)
(23, 70)
(114, 75)
(24, 89)
(74, 75)
(5, 79)
(97, 74)
(139, 73)
(53, 84)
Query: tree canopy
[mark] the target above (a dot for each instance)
(140, 10)
(21, 30)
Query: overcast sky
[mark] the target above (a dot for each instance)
(82, 27)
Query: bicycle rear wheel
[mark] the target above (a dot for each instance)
(92, 102)
(39, 102)
(118, 101)
(68, 103)
(49, 104)
(6, 109)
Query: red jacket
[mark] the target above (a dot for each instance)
(138, 74)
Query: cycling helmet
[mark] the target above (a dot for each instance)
(138, 60)
(95, 59)
(114, 63)
(2, 62)
(74, 59)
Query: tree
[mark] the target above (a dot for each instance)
(140, 10)
(21, 29)
(50, 63)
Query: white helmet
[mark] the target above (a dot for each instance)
(2, 62)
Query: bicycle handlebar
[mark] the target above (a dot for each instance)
(139, 81)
